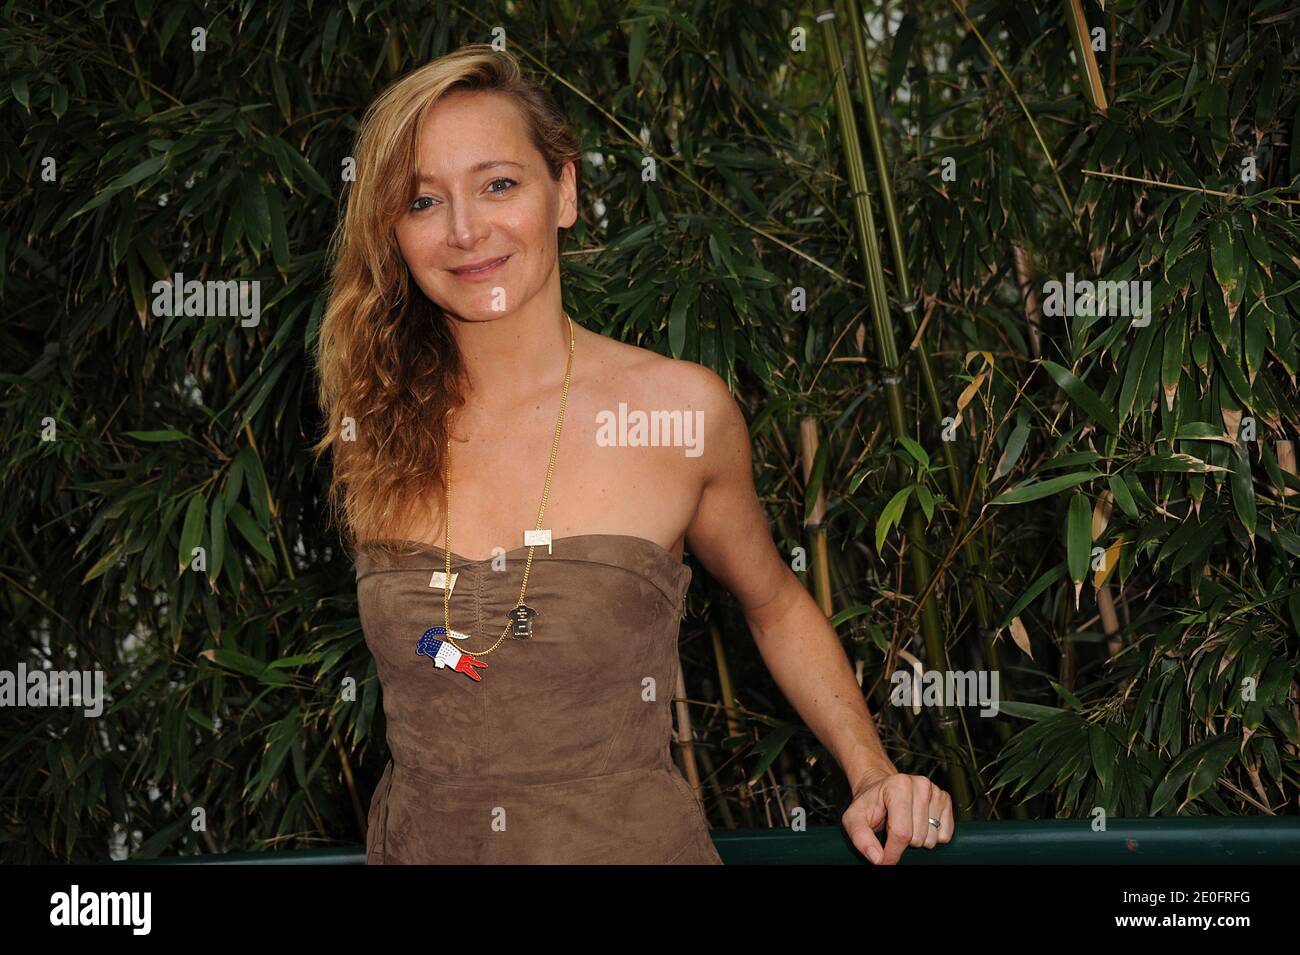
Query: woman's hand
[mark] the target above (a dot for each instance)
(902, 803)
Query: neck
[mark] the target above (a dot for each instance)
(509, 359)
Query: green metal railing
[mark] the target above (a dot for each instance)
(1162, 840)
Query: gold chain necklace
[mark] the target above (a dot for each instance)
(520, 618)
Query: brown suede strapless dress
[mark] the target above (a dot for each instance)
(561, 753)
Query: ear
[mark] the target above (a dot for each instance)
(568, 196)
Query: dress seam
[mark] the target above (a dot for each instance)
(681, 852)
(499, 784)
(677, 599)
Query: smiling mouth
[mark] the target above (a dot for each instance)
(483, 268)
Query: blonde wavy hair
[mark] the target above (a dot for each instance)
(385, 356)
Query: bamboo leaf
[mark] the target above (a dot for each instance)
(677, 321)
(891, 515)
(329, 38)
(1083, 396)
(191, 530)
(926, 500)
(249, 530)
(902, 47)
(1029, 711)
(916, 451)
(218, 533)
(1033, 490)
(640, 35)
(1123, 496)
(1223, 257)
(138, 173)
(281, 737)
(1045, 580)
(1079, 538)
(848, 614)
(1011, 454)
(166, 434)
(768, 749)
(1175, 463)
(1243, 489)
(1021, 637)
(235, 660)
(1105, 756)
(1210, 765)
(1189, 761)
(279, 236)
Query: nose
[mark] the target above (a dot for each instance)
(466, 227)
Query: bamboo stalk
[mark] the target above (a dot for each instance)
(725, 687)
(720, 797)
(1033, 313)
(1091, 78)
(727, 690)
(867, 94)
(887, 354)
(685, 738)
(1109, 619)
(778, 798)
(1182, 188)
(820, 563)
(1285, 453)
(789, 784)
(957, 480)
(1114, 60)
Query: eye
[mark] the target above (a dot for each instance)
(416, 207)
(511, 182)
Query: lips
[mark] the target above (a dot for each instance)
(479, 268)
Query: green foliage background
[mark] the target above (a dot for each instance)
(171, 433)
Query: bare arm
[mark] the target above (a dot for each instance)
(729, 534)
(731, 538)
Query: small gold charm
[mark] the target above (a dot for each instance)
(439, 580)
(537, 538)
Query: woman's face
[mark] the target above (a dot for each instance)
(484, 195)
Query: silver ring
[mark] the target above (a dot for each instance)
(934, 822)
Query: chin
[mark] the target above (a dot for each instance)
(474, 313)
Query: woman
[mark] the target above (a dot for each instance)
(520, 576)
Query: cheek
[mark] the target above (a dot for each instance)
(412, 241)
(530, 221)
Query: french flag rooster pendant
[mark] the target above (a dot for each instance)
(444, 654)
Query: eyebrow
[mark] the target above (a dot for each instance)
(479, 167)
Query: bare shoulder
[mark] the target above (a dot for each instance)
(695, 387)
(635, 374)
(646, 381)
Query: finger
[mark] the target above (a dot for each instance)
(859, 830)
(874, 812)
(921, 827)
(872, 807)
(948, 826)
(937, 806)
(898, 818)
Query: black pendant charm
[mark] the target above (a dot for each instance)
(521, 622)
